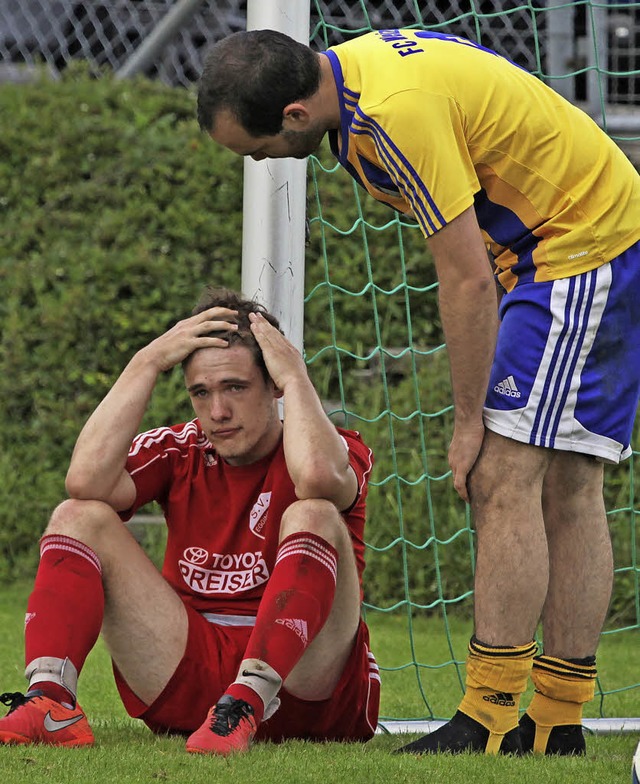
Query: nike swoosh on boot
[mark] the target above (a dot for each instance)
(52, 725)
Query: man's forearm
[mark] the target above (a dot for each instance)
(468, 310)
(100, 453)
(317, 459)
(470, 322)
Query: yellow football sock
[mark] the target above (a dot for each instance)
(562, 687)
(496, 678)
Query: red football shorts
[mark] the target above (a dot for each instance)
(210, 663)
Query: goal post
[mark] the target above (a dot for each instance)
(376, 353)
(274, 199)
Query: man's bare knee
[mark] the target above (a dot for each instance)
(81, 520)
(316, 516)
(572, 475)
(523, 464)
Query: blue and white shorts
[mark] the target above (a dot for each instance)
(566, 374)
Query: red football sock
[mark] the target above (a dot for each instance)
(295, 605)
(65, 609)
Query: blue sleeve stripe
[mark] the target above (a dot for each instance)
(422, 203)
(419, 209)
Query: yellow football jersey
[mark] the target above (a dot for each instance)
(432, 124)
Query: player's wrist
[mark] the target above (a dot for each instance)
(149, 361)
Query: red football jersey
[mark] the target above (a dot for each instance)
(223, 521)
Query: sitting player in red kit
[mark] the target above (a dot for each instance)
(253, 628)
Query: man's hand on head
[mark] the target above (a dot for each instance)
(283, 360)
(190, 334)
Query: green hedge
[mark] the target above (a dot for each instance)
(115, 211)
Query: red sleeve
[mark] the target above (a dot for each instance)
(361, 460)
(150, 463)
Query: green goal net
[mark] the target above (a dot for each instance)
(378, 357)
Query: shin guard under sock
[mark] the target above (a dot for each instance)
(295, 606)
(64, 616)
(552, 723)
(496, 678)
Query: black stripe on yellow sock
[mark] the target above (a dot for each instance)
(568, 668)
(510, 651)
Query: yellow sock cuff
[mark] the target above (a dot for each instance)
(564, 680)
(504, 669)
(510, 651)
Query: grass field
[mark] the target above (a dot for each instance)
(126, 751)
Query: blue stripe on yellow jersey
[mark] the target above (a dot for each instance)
(432, 124)
(401, 173)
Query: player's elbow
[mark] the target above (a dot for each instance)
(83, 484)
(79, 486)
(319, 481)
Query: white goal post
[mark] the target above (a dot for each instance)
(274, 200)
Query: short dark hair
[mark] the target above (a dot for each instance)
(218, 297)
(254, 75)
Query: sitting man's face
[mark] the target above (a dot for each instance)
(236, 406)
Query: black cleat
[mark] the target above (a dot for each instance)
(462, 734)
(564, 739)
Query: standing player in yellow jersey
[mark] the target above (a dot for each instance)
(486, 157)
